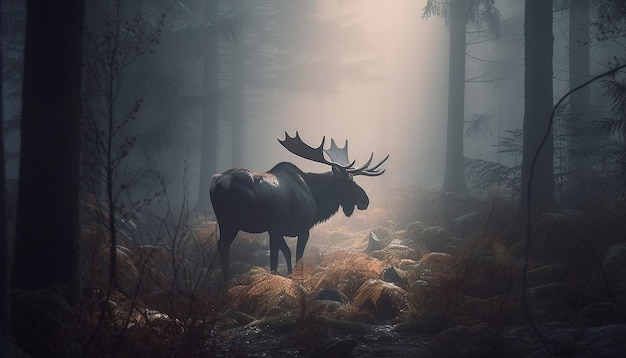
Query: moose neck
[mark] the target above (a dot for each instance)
(324, 192)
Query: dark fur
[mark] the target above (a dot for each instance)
(284, 201)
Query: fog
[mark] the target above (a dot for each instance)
(400, 109)
(400, 113)
(372, 73)
(496, 229)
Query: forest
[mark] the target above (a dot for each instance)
(488, 221)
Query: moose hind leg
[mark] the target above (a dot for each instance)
(227, 235)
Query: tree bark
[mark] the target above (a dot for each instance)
(47, 224)
(237, 96)
(580, 131)
(454, 175)
(537, 165)
(4, 242)
(210, 87)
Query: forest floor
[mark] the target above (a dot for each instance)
(377, 341)
(432, 275)
(443, 278)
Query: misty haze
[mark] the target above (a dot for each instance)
(315, 178)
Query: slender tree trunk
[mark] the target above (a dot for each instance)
(537, 166)
(237, 96)
(47, 224)
(454, 176)
(208, 154)
(4, 242)
(580, 131)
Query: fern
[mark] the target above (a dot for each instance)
(347, 272)
(479, 126)
(269, 295)
(484, 175)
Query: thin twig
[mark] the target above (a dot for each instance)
(528, 195)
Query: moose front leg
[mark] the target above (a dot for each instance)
(302, 240)
(278, 243)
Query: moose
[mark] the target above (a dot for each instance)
(285, 201)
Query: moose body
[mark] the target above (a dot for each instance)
(284, 201)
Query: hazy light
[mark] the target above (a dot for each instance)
(402, 114)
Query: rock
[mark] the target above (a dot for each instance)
(614, 268)
(601, 313)
(384, 234)
(486, 277)
(603, 341)
(382, 299)
(414, 231)
(407, 265)
(439, 262)
(466, 223)
(373, 243)
(390, 274)
(395, 253)
(424, 297)
(435, 238)
(558, 299)
(376, 239)
(330, 294)
(546, 274)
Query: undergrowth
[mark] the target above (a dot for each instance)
(424, 276)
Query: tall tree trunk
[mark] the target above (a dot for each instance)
(454, 176)
(47, 224)
(47, 217)
(537, 165)
(210, 87)
(580, 133)
(237, 96)
(4, 242)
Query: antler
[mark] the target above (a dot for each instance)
(370, 172)
(338, 156)
(296, 146)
